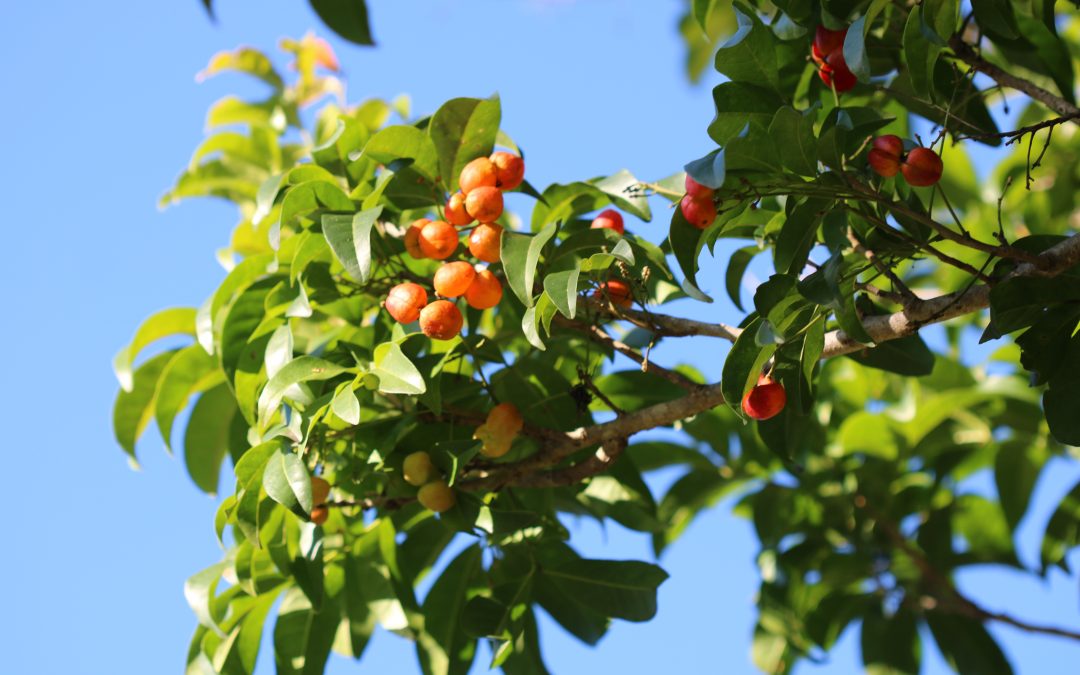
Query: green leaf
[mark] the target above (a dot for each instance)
(626, 193)
(520, 256)
(996, 16)
(798, 235)
(623, 589)
(303, 636)
(743, 365)
(921, 54)
(300, 369)
(890, 645)
(191, 371)
(793, 133)
(350, 240)
(347, 18)
(966, 644)
(905, 356)
(287, 482)
(404, 142)
(1062, 532)
(206, 439)
(739, 104)
(1016, 470)
(346, 406)
(396, 373)
(750, 54)
(708, 170)
(199, 592)
(858, 61)
(562, 288)
(463, 129)
(165, 323)
(133, 409)
(246, 60)
(736, 268)
(444, 648)
(249, 479)
(1059, 403)
(530, 325)
(686, 243)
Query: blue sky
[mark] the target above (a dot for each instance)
(102, 111)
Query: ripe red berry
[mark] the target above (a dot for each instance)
(618, 292)
(509, 170)
(697, 190)
(922, 167)
(827, 41)
(835, 73)
(698, 212)
(609, 219)
(765, 400)
(891, 144)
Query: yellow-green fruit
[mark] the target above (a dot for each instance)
(494, 445)
(418, 468)
(320, 491)
(436, 496)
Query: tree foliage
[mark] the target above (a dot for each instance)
(858, 490)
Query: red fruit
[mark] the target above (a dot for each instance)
(405, 301)
(697, 190)
(827, 41)
(835, 73)
(441, 320)
(509, 170)
(698, 212)
(484, 203)
(765, 400)
(438, 240)
(609, 219)
(891, 144)
(485, 242)
(922, 167)
(618, 292)
(485, 291)
(453, 279)
(481, 172)
(455, 210)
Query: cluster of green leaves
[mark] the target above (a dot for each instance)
(294, 369)
(347, 18)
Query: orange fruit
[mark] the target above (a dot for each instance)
(454, 279)
(436, 496)
(485, 204)
(618, 292)
(480, 172)
(509, 170)
(320, 491)
(485, 291)
(441, 320)
(405, 301)
(505, 419)
(455, 210)
(485, 242)
(412, 238)
(438, 239)
(319, 514)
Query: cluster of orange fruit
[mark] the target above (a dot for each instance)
(615, 291)
(480, 200)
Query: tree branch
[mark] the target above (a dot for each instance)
(968, 55)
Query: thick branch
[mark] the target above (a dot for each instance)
(968, 55)
(669, 326)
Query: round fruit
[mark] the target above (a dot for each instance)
(494, 445)
(453, 279)
(883, 163)
(609, 219)
(319, 514)
(484, 203)
(827, 41)
(320, 491)
(697, 190)
(455, 210)
(618, 292)
(836, 74)
(441, 320)
(505, 420)
(485, 291)
(698, 212)
(405, 301)
(438, 240)
(412, 238)
(418, 469)
(509, 170)
(436, 496)
(485, 242)
(922, 167)
(890, 144)
(765, 400)
(370, 381)
(481, 172)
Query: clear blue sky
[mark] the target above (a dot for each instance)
(101, 111)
